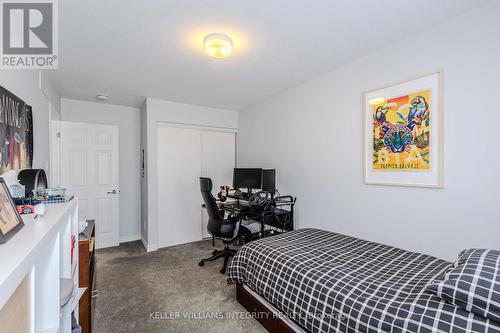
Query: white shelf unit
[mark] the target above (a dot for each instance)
(41, 253)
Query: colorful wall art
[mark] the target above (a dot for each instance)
(404, 136)
(16, 133)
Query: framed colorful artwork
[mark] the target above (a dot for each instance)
(16, 132)
(404, 133)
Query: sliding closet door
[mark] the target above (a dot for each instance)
(218, 157)
(218, 151)
(179, 165)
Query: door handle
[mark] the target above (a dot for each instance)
(112, 192)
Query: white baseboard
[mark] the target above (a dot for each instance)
(130, 238)
(149, 248)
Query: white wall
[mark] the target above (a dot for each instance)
(313, 135)
(127, 119)
(156, 111)
(35, 90)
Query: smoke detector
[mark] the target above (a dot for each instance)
(102, 97)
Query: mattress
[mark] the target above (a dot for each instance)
(329, 282)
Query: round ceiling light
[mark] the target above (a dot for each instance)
(218, 45)
(102, 97)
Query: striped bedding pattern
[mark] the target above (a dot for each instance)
(328, 282)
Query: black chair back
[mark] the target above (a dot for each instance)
(215, 219)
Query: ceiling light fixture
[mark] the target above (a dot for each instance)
(102, 97)
(218, 45)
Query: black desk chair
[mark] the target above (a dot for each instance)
(220, 227)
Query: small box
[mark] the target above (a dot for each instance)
(17, 191)
(49, 193)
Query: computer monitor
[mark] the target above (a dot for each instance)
(269, 180)
(247, 178)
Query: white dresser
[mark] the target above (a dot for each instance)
(32, 264)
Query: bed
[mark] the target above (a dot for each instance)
(328, 282)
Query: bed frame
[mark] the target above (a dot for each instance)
(266, 314)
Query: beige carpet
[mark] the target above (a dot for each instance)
(165, 291)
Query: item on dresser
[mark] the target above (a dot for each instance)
(10, 221)
(49, 193)
(10, 177)
(86, 275)
(82, 225)
(32, 179)
(32, 201)
(56, 200)
(75, 327)
(17, 190)
(40, 210)
(66, 287)
(73, 241)
(25, 209)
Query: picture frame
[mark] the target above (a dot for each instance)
(16, 130)
(404, 133)
(10, 220)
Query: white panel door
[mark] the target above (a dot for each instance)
(179, 167)
(218, 161)
(90, 171)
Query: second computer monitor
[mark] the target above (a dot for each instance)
(269, 180)
(250, 178)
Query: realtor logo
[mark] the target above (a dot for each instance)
(29, 35)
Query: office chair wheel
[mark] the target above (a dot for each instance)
(214, 252)
(223, 271)
(201, 263)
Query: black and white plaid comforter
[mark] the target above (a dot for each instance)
(329, 282)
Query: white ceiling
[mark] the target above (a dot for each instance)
(134, 49)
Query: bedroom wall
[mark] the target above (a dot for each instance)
(34, 89)
(312, 134)
(152, 112)
(127, 120)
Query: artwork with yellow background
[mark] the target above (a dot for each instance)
(401, 132)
